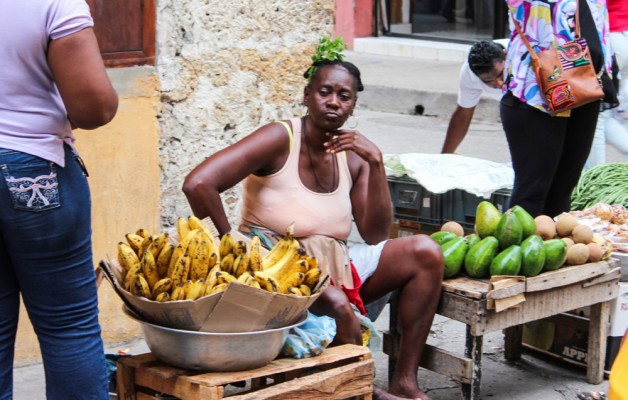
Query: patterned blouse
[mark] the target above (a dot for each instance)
(546, 23)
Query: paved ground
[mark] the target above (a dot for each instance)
(394, 86)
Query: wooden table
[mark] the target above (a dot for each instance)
(468, 301)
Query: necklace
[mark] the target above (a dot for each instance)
(309, 156)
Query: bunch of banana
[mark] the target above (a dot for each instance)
(155, 268)
(158, 270)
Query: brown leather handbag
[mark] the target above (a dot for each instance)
(565, 73)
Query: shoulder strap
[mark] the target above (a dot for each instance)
(289, 130)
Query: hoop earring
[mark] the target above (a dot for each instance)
(357, 122)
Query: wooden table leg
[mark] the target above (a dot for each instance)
(473, 350)
(512, 342)
(598, 332)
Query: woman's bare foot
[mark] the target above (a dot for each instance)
(381, 394)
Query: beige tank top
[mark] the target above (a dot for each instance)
(275, 201)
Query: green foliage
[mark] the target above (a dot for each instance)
(327, 50)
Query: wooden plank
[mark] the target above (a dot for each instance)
(456, 367)
(338, 383)
(464, 286)
(566, 276)
(543, 304)
(125, 380)
(513, 288)
(609, 276)
(344, 353)
(598, 332)
(461, 308)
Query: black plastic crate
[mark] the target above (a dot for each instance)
(411, 201)
(461, 206)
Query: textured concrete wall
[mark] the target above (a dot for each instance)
(225, 68)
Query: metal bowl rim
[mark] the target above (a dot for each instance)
(201, 333)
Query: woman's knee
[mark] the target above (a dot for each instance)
(428, 256)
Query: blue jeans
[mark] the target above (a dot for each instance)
(46, 256)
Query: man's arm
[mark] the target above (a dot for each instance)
(457, 129)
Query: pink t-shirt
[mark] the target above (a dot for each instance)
(33, 118)
(618, 15)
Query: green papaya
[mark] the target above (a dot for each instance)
(472, 239)
(533, 254)
(528, 226)
(442, 237)
(507, 262)
(486, 218)
(479, 257)
(555, 254)
(454, 252)
(508, 230)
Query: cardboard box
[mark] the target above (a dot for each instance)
(623, 263)
(240, 308)
(566, 337)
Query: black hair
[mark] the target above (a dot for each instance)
(350, 67)
(483, 56)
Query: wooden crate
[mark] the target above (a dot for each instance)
(338, 373)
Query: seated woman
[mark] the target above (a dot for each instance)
(312, 172)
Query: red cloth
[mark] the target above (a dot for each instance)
(353, 294)
(617, 15)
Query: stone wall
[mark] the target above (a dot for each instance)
(225, 68)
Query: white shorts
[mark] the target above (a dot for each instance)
(365, 258)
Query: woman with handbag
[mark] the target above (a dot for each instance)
(548, 125)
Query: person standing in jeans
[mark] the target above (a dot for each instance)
(548, 152)
(53, 80)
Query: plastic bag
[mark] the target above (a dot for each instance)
(310, 338)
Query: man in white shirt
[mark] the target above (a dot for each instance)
(482, 72)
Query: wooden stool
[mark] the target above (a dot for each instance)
(338, 373)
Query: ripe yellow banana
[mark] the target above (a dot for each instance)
(142, 232)
(292, 252)
(240, 265)
(130, 276)
(293, 280)
(255, 254)
(144, 246)
(294, 290)
(211, 279)
(196, 290)
(163, 259)
(181, 270)
(218, 288)
(266, 281)
(196, 223)
(185, 241)
(312, 262)
(244, 277)
(226, 263)
(158, 244)
(200, 261)
(227, 243)
(186, 288)
(163, 297)
(177, 293)
(127, 258)
(149, 268)
(134, 240)
(162, 285)
(239, 248)
(139, 286)
(178, 252)
(224, 277)
(288, 265)
(312, 277)
(305, 290)
(182, 228)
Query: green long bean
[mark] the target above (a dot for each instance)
(606, 183)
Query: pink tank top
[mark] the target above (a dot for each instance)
(275, 201)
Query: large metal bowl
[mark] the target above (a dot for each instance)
(214, 351)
